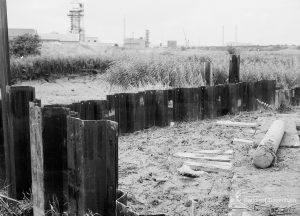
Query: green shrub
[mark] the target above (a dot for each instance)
(25, 45)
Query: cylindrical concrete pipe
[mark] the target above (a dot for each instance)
(266, 150)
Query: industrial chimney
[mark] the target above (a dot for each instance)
(147, 38)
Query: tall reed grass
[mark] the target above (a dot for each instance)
(172, 68)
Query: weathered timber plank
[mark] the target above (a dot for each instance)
(20, 158)
(92, 161)
(48, 135)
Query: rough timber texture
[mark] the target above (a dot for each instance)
(93, 166)
(48, 135)
(20, 165)
(2, 153)
(161, 108)
(266, 150)
(234, 69)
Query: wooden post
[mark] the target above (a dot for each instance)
(204, 102)
(234, 69)
(161, 109)
(225, 108)
(195, 103)
(218, 99)
(212, 110)
(177, 104)
(94, 110)
(150, 108)
(208, 73)
(140, 111)
(123, 127)
(2, 153)
(251, 96)
(93, 166)
(170, 105)
(20, 158)
(5, 80)
(233, 98)
(297, 96)
(48, 138)
(131, 113)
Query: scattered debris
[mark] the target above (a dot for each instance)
(209, 167)
(242, 141)
(266, 150)
(185, 170)
(236, 124)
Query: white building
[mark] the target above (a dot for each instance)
(135, 43)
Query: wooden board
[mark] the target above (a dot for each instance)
(242, 141)
(161, 108)
(93, 166)
(224, 158)
(48, 130)
(236, 124)
(20, 164)
(209, 166)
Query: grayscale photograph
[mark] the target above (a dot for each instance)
(150, 108)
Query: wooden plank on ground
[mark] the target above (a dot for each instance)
(224, 152)
(224, 158)
(242, 141)
(237, 124)
(210, 166)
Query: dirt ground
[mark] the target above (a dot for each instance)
(72, 89)
(147, 156)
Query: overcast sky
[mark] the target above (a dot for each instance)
(258, 21)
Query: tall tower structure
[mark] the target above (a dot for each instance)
(147, 38)
(76, 14)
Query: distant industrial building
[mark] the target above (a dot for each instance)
(135, 43)
(15, 32)
(76, 14)
(63, 38)
(92, 39)
(138, 43)
(172, 44)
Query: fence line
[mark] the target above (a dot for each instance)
(76, 160)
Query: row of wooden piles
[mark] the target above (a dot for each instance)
(71, 151)
(142, 110)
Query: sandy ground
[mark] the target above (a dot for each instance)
(71, 89)
(77, 88)
(148, 155)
